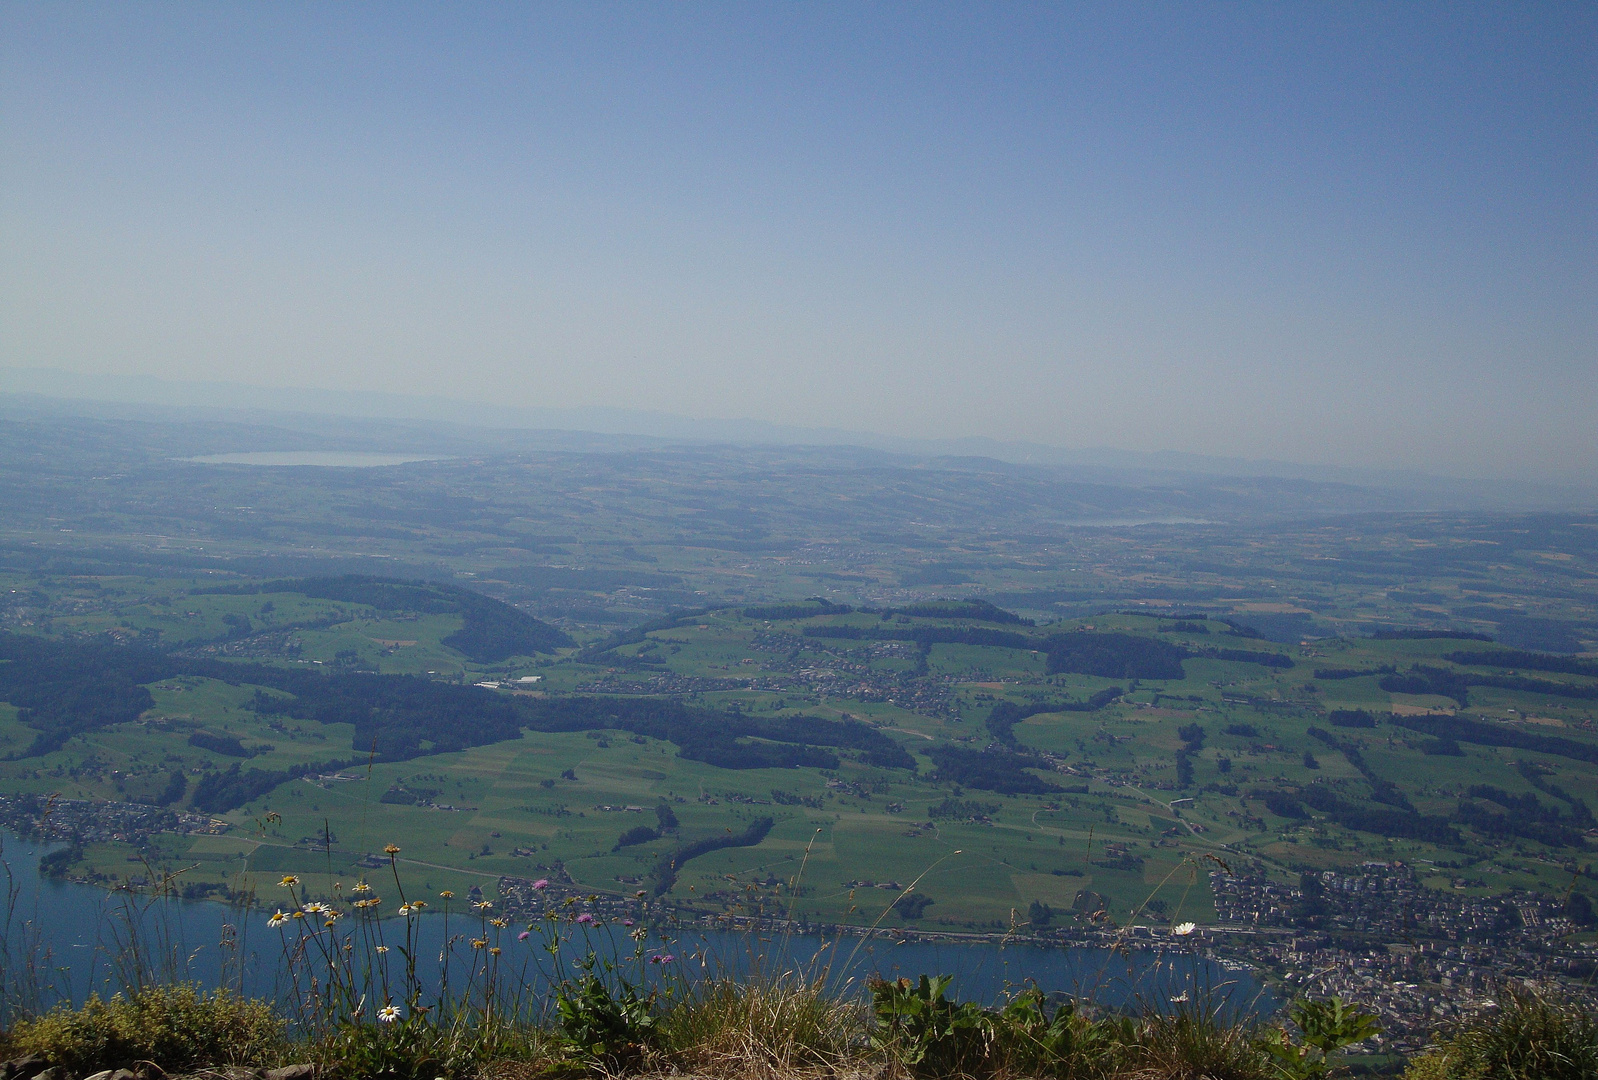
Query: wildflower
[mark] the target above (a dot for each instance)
(388, 1014)
(405, 909)
(668, 958)
(450, 895)
(1179, 998)
(501, 923)
(626, 922)
(585, 918)
(329, 923)
(361, 887)
(382, 948)
(640, 894)
(479, 943)
(524, 935)
(391, 849)
(297, 915)
(1184, 929)
(277, 920)
(418, 904)
(482, 905)
(317, 909)
(494, 951)
(639, 934)
(541, 884)
(289, 881)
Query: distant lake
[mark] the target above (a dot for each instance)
(85, 929)
(338, 459)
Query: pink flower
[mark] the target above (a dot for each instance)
(668, 958)
(585, 918)
(626, 922)
(524, 935)
(541, 884)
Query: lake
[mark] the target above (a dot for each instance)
(86, 933)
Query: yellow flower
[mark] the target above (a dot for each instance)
(501, 923)
(289, 881)
(494, 951)
(447, 894)
(361, 887)
(382, 948)
(391, 849)
(277, 920)
(479, 943)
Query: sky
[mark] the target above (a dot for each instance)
(1352, 234)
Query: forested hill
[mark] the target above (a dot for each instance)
(68, 688)
(491, 630)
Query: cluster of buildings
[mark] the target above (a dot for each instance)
(1418, 957)
(86, 821)
(1380, 898)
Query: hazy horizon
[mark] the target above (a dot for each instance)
(1357, 237)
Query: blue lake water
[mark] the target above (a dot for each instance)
(79, 939)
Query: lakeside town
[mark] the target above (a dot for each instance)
(1417, 957)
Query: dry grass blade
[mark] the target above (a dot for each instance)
(782, 1027)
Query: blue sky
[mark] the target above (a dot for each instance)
(1351, 233)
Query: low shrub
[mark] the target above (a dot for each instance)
(419, 1047)
(1527, 1038)
(172, 1027)
(928, 1035)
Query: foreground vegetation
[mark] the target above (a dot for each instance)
(783, 1026)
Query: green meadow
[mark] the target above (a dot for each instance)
(1139, 812)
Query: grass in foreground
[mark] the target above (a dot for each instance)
(784, 1028)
